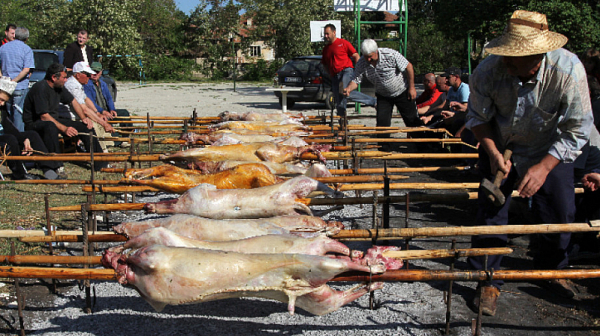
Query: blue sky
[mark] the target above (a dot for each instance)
(187, 6)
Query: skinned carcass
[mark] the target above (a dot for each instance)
(175, 275)
(281, 199)
(260, 126)
(177, 180)
(315, 244)
(251, 152)
(255, 116)
(201, 228)
(314, 170)
(221, 139)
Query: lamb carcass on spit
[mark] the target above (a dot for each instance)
(177, 180)
(255, 116)
(176, 275)
(314, 170)
(280, 199)
(261, 126)
(252, 152)
(201, 228)
(222, 139)
(315, 244)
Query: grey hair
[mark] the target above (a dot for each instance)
(21, 34)
(368, 46)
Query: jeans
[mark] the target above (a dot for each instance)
(14, 106)
(553, 203)
(345, 76)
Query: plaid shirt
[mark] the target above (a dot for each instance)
(549, 114)
(387, 75)
(16, 56)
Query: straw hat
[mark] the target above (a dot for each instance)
(7, 85)
(526, 34)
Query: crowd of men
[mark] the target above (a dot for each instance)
(530, 96)
(36, 116)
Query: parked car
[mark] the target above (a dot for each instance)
(43, 59)
(309, 73)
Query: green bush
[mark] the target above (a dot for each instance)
(160, 67)
(261, 70)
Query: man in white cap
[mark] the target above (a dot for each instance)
(530, 96)
(81, 75)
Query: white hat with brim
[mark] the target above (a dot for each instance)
(7, 85)
(526, 34)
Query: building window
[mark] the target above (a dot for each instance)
(255, 51)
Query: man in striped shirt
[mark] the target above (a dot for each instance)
(393, 77)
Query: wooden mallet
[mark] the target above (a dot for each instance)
(492, 190)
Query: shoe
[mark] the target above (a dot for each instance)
(62, 173)
(489, 300)
(124, 144)
(561, 287)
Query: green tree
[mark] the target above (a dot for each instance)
(285, 24)
(44, 19)
(161, 27)
(577, 20)
(112, 29)
(212, 33)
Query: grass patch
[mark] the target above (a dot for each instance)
(22, 205)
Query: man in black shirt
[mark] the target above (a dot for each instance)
(40, 113)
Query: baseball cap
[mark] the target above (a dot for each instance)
(96, 66)
(83, 67)
(452, 71)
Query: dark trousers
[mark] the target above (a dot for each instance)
(13, 147)
(49, 133)
(406, 107)
(553, 203)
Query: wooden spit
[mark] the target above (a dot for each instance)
(368, 234)
(389, 276)
(450, 197)
(404, 255)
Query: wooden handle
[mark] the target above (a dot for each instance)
(499, 173)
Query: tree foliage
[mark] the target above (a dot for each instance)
(170, 40)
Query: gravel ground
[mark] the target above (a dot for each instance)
(401, 308)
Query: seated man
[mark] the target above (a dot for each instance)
(40, 113)
(13, 142)
(434, 111)
(455, 109)
(97, 91)
(81, 75)
(429, 96)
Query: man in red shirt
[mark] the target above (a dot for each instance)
(429, 96)
(338, 55)
(9, 33)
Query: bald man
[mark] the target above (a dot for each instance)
(429, 96)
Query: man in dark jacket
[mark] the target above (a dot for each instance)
(78, 51)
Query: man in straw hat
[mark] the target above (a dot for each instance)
(531, 96)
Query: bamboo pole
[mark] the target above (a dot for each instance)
(395, 170)
(344, 187)
(41, 233)
(438, 254)
(402, 233)
(450, 197)
(44, 259)
(389, 276)
(405, 156)
(368, 234)
(404, 255)
(446, 275)
(75, 238)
